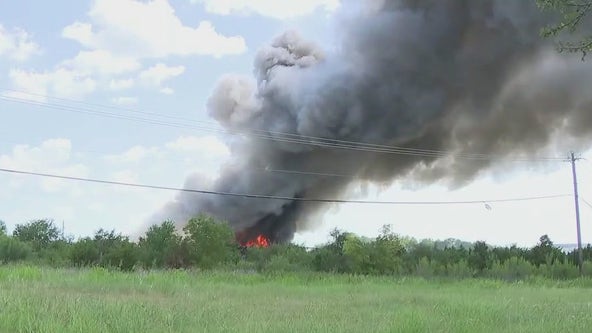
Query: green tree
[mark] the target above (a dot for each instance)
(387, 252)
(545, 252)
(161, 246)
(279, 258)
(210, 242)
(331, 258)
(357, 253)
(503, 254)
(2, 228)
(571, 15)
(12, 250)
(106, 241)
(84, 252)
(39, 233)
(480, 257)
(123, 255)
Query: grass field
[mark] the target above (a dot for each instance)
(36, 299)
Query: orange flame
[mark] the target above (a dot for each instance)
(260, 241)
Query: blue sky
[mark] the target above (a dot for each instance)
(165, 57)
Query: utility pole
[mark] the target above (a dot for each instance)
(573, 160)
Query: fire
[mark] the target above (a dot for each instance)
(259, 241)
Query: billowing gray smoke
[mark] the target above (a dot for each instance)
(460, 76)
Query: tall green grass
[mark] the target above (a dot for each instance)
(34, 299)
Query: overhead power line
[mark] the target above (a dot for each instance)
(308, 173)
(274, 197)
(586, 202)
(180, 159)
(91, 109)
(267, 169)
(258, 134)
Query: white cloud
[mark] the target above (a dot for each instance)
(17, 44)
(156, 75)
(148, 29)
(209, 146)
(60, 82)
(135, 154)
(76, 77)
(121, 84)
(167, 91)
(52, 156)
(101, 62)
(80, 32)
(119, 35)
(278, 9)
(125, 100)
(112, 207)
(198, 147)
(125, 176)
(159, 73)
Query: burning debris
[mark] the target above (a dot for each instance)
(459, 76)
(249, 238)
(259, 241)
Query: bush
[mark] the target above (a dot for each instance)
(512, 269)
(560, 271)
(124, 255)
(13, 250)
(460, 270)
(210, 242)
(56, 254)
(480, 257)
(84, 253)
(279, 264)
(327, 259)
(39, 233)
(386, 253)
(424, 268)
(160, 247)
(297, 258)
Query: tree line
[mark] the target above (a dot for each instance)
(205, 243)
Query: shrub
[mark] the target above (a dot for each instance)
(13, 250)
(160, 246)
(84, 253)
(210, 242)
(424, 268)
(560, 271)
(39, 233)
(124, 256)
(514, 268)
(460, 270)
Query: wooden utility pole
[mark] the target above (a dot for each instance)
(573, 160)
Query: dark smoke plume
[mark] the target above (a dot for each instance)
(461, 76)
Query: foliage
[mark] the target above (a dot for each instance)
(39, 233)
(160, 247)
(285, 258)
(571, 16)
(515, 268)
(56, 254)
(386, 254)
(84, 253)
(480, 257)
(13, 250)
(124, 255)
(210, 242)
(331, 257)
(207, 243)
(544, 252)
(2, 228)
